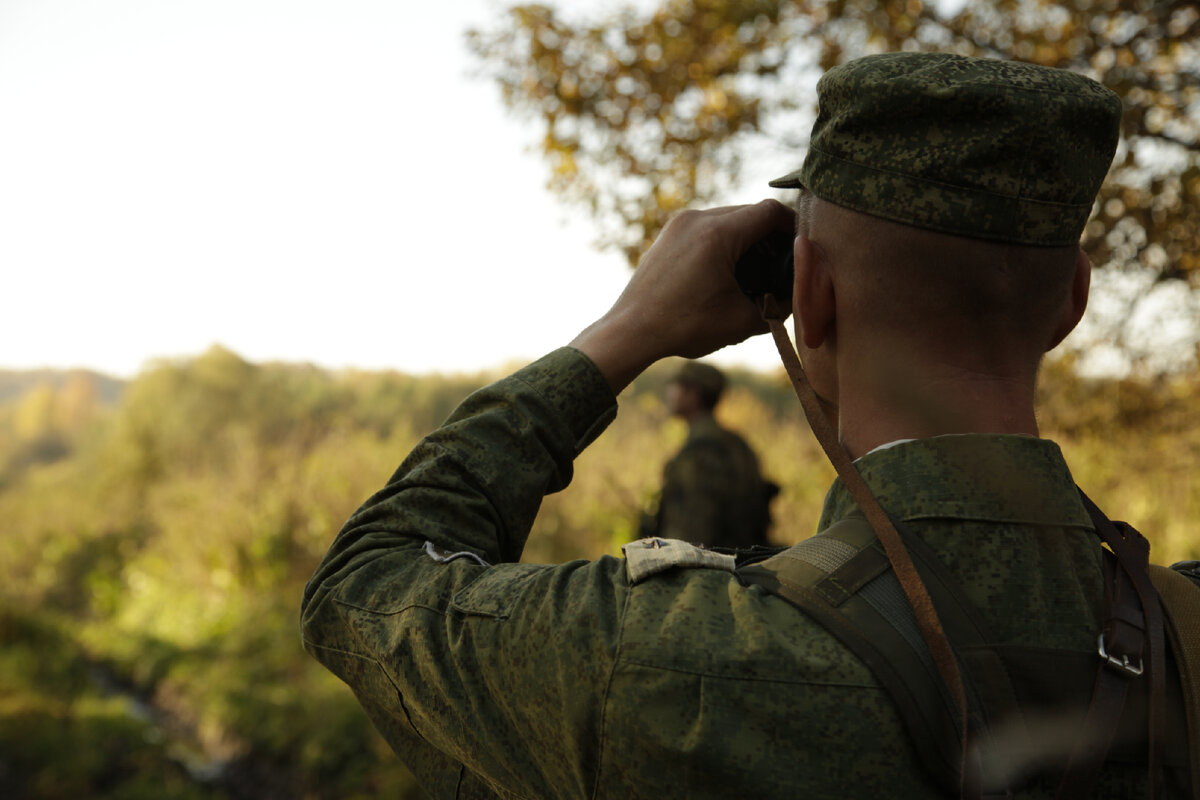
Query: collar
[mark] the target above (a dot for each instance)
(985, 477)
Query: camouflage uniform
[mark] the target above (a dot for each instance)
(713, 492)
(639, 677)
(660, 675)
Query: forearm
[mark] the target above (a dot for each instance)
(618, 348)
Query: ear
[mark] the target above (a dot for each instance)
(1077, 303)
(814, 306)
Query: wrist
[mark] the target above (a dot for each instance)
(617, 349)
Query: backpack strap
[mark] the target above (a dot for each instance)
(1180, 598)
(1133, 629)
(1131, 645)
(842, 578)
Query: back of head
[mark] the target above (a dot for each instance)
(929, 287)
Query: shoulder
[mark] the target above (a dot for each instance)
(647, 557)
(689, 613)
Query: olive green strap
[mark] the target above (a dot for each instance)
(906, 573)
(842, 579)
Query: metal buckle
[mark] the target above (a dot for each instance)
(1122, 664)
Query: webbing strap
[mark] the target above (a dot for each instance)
(842, 578)
(1133, 632)
(1134, 623)
(906, 573)
(1181, 608)
(1094, 738)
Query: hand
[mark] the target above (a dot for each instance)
(682, 300)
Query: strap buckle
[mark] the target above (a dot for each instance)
(1122, 664)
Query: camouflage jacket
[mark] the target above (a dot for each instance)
(596, 679)
(713, 493)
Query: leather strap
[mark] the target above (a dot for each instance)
(1128, 635)
(1094, 737)
(902, 564)
(853, 593)
(1133, 631)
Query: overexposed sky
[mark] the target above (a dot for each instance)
(296, 180)
(307, 181)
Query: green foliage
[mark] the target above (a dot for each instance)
(172, 540)
(1134, 447)
(64, 736)
(43, 415)
(152, 574)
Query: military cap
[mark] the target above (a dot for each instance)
(998, 150)
(705, 377)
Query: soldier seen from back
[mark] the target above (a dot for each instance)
(938, 214)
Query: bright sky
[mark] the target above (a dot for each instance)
(297, 180)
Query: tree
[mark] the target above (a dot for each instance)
(643, 114)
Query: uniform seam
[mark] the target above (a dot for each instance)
(372, 656)
(313, 645)
(563, 419)
(748, 678)
(612, 673)
(392, 612)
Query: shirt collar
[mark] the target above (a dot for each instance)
(986, 477)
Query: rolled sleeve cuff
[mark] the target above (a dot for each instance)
(575, 389)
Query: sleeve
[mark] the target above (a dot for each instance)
(475, 672)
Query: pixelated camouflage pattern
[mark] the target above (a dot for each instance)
(713, 492)
(539, 681)
(998, 150)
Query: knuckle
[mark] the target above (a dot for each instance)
(684, 219)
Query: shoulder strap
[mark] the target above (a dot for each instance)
(1131, 645)
(1132, 639)
(1180, 598)
(843, 580)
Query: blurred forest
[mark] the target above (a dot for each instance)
(158, 535)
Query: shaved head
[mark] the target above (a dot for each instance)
(1002, 301)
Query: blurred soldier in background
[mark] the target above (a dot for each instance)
(713, 493)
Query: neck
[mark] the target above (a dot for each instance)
(881, 405)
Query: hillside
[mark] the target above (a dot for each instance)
(15, 383)
(158, 535)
